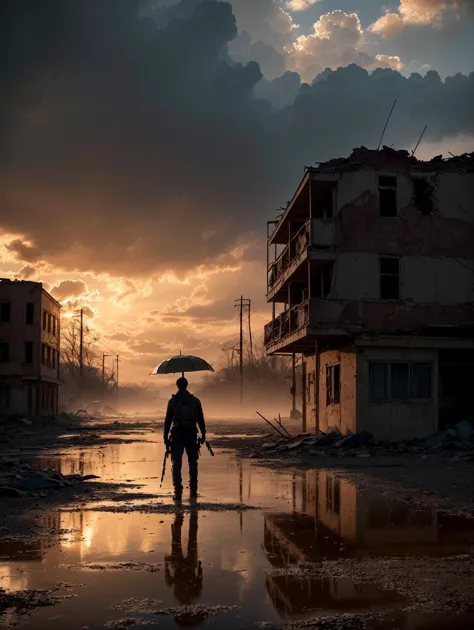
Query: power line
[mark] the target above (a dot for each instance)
(244, 306)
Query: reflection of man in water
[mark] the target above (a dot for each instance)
(185, 574)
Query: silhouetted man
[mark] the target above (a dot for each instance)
(183, 416)
(184, 573)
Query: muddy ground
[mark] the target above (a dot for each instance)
(295, 540)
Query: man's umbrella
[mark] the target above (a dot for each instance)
(182, 363)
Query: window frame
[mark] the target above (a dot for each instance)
(7, 304)
(29, 344)
(410, 398)
(27, 312)
(390, 275)
(7, 354)
(387, 187)
(331, 397)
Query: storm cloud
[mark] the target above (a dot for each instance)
(138, 146)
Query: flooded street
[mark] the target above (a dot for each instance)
(120, 564)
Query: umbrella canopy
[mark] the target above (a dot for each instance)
(182, 363)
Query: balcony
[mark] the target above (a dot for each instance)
(321, 319)
(288, 323)
(293, 251)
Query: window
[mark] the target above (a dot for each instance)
(53, 359)
(43, 354)
(5, 312)
(54, 325)
(28, 352)
(420, 380)
(321, 280)
(48, 356)
(333, 384)
(400, 381)
(378, 381)
(50, 317)
(4, 352)
(30, 313)
(45, 320)
(389, 279)
(388, 206)
(5, 395)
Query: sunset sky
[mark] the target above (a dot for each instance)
(146, 145)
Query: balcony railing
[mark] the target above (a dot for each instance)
(289, 322)
(298, 244)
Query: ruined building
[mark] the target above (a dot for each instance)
(371, 277)
(29, 349)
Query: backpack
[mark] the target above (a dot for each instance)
(185, 414)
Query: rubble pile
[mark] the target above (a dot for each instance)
(20, 479)
(455, 442)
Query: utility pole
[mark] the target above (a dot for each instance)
(244, 307)
(81, 346)
(81, 355)
(103, 367)
(117, 375)
(241, 350)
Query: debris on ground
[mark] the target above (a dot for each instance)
(19, 479)
(455, 443)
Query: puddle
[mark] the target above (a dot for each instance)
(136, 565)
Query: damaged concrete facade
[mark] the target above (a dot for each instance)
(29, 349)
(372, 265)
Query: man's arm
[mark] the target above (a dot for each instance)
(168, 419)
(201, 422)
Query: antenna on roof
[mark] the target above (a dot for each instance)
(386, 124)
(418, 143)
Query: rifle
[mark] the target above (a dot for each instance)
(209, 448)
(164, 465)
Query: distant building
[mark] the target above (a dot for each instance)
(29, 349)
(372, 266)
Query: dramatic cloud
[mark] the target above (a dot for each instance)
(139, 148)
(300, 5)
(69, 289)
(413, 12)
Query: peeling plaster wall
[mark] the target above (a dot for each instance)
(455, 196)
(422, 279)
(396, 421)
(341, 415)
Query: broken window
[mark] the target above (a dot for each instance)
(423, 195)
(5, 395)
(388, 205)
(4, 352)
(321, 280)
(30, 313)
(400, 381)
(5, 312)
(378, 381)
(389, 279)
(420, 380)
(28, 352)
(333, 384)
